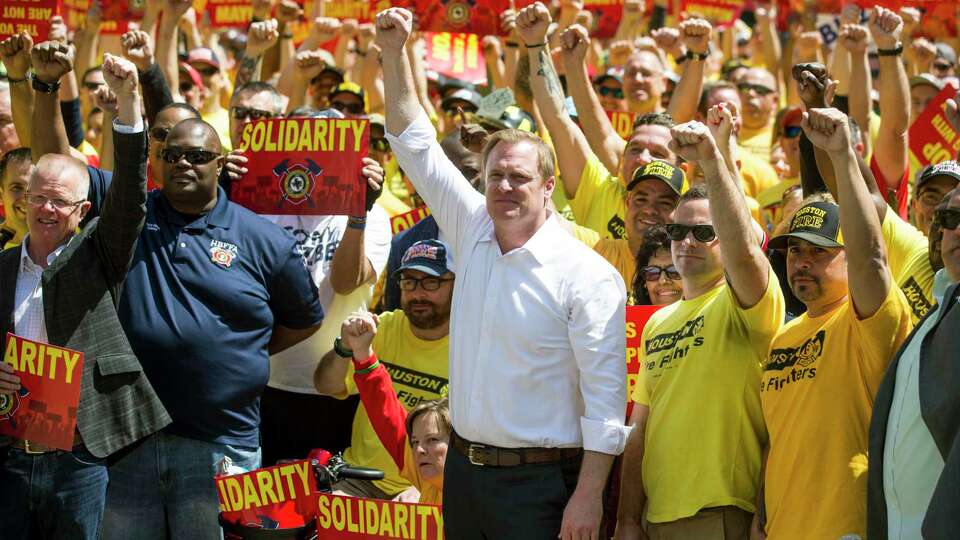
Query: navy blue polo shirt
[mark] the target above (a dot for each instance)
(199, 304)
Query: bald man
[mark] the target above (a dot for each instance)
(213, 290)
(58, 287)
(758, 94)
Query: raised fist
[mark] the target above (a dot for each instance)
(828, 129)
(814, 85)
(120, 75)
(288, 11)
(137, 49)
(51, 60)
(261, 8)
(261, 36)
(693, 142)
(15, 53)
(632, 10)
(855, 38)
(325, 28)
(722, 119)
(105, 100)
(393, 29)
(358, 331)
(365, 34)
(574, 44)
(808, 42)
(850, 14)
(669, 40)
(348, 28)
(620, 52)
(490, 45)
(765, 14)
(911, 19)
(173, 10)
(58, 29)
(922, 53)
(508, 23)
(696, 35)
(885, 26)
(533, 22)
(309, 64)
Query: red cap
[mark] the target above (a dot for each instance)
(203, 55)
(193, 73)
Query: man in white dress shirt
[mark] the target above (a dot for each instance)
(537, 364)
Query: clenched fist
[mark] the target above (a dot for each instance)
(137, 48)
(574, 44)
(261, 36)
(693, 142)
(855, 38)
(394, 26)
(828, 129)
(669, 40)
(309, 64)
(51, 60)
(120, 75)
(885, 26)
(105, 100)
(533, 22)
(15, 53)
(696, 35)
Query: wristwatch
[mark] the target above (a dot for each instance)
(340, 349)
(46, 88)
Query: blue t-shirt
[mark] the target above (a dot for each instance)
(99, 183)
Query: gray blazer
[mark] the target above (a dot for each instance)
(81, 290)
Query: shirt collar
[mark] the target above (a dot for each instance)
(543, 241)
(218, 216)
(25, 259)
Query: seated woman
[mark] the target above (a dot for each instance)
(656, 281)
(418, 441)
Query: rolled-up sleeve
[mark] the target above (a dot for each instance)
(598, 336)
(448, 194)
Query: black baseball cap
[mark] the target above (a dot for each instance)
(817, 223)
(428, 256)
(664, 171)
(944, 168)
(466, 95)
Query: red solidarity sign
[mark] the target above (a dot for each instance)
(406, 220)
(44, 410)
(32, 16)
(355, 518)
(932, 138)
(456, 55)
(720, 13)
(284, 493)
(637, 317)
(622, 122)
(308, 166)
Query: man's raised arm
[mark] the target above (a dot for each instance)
(51, 60)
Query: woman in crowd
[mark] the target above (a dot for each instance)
(656, 282)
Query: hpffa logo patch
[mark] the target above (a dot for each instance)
(223, 253)
(458, 12)
(9, 403)
(297, 181)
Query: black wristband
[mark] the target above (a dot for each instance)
(701, 56)
(512, 44)
(535, 45)
(46, 88)
(340, 349)
(896, 51)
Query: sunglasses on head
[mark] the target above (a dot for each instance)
(159, 134)
(606, 91)
(380, 144)
(702, 233)
(760, 89)
(243, 113)
(193, 156)
(792, 132)
(653, 272)
(947, 218)
(347, 108)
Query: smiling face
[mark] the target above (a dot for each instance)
(664, 290)
(8, 132)
(646, 144)
(429, 443)
(928, 197)
(649, 203)
(13, 188)
(696, 260)
(516, 191)
(643, 82)
(57, 179)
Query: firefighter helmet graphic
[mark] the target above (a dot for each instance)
(9, 403)
(458, 11)
(297, 181)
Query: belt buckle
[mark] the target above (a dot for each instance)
(470, 454)
(32, 451)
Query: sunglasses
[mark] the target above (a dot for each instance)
(702, 233)
(243, 113)
(760, 89)
(427, 283)
(947, 218)
(380, 144)
(193, 157)
(348, 108)
(159, 134)
(653, 273)
(208, 71)
(792, 132)
(606, 91)
(185, 87)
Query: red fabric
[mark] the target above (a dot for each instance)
(900, 193)
(386, 414)
(93, 160)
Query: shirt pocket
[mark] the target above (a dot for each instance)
(118, 363)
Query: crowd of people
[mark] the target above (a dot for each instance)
(795, 382)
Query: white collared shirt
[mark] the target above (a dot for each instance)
(537, 341)
(28, 319)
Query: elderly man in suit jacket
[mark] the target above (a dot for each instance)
(61, 287)
(914, 474)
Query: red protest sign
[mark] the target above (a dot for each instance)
(402, 222)
(480, 17)
(456, 55)
(637, 317)
(308, 166)
(32, 16)
(361, 10)
(44, 410)
(354, 518)
(285, 493)
(622, 122)
(606, 16)
(932, 138)
(229, 13)
(720, 13)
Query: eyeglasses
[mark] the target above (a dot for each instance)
(58, 204)
(606, 91)
(242, 113)
(347, 108)
(703, 233)
(380, 144)
(760, 89)
(792, 132)
(947, 218)
(193, 156)
(427, 283)
(159, 134)
(653, 273)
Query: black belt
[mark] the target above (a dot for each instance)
(493, 456)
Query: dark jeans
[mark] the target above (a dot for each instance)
(54, 495)
(501, 503)
(292, 424)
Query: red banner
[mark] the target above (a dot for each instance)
(44, 410)
(456, 55)
(229, 13)
(402, 222)
(720, 13)
(637, 317)
(32, 16)
(285, 493)
(622, 122)
(304, 166)
(932, 139)
(355, 518)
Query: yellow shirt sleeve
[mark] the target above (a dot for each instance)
(762, 320)
(599, 203)
(882, 334)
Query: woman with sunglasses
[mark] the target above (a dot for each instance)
(656, 282)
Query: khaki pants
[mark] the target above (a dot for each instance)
(720, 523)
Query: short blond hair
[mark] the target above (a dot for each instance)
(438, 407)
(546, 164)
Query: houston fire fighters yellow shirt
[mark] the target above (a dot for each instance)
(599, 203)
(700, 375)
(909, 262)
(817, 392)
(419, 370)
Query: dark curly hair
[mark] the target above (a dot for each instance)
(654, 240)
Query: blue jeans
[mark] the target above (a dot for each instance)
(53, 495)
(164, 488)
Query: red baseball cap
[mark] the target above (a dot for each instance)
(203, 55)
(194, 75)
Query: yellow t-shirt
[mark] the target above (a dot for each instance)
(429, 493)
(419, 370)
(757, 175)
(771, 203)
(220, 120)
(757, 141)
(700, 375)
(600, 201)
(616, 252)
(907, 255)
(817, 392)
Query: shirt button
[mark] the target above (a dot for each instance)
(183, 244)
